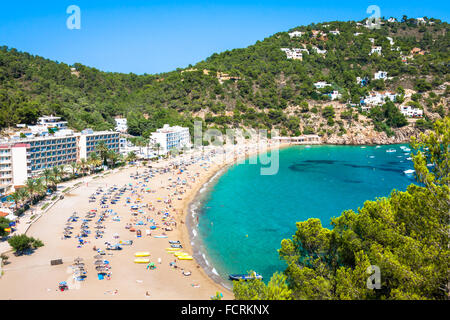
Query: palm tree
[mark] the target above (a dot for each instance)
(74, 167)
(83, 165)
(102, 149)
(94, 161)
(158, 147)
(47, 174)
(54, 180)
(40, 187)
(131, 157)
(17, 197)
(57, 175)
(113, 157)
(30, 185)
(23, 194)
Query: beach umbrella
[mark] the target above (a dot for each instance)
(98, 257)
(99, 263)
(77, 260)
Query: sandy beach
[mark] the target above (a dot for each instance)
(160, 196)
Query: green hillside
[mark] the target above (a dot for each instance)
(269, 91)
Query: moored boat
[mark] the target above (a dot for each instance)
(245, 277)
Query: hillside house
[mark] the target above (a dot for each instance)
(411, 112)
(380, 75)
(295, 34)
(294, 53)
(321, 85)
(375, 49)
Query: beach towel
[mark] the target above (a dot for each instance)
(100, 277)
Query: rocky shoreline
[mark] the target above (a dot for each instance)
(368, 136)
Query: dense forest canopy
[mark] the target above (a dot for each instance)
(265, 86)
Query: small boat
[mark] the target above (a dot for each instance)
(245, 277)
(409, 172)
(391, 150)
(176, 246)
(173, 249)
(174, 242)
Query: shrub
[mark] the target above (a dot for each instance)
(21, 243)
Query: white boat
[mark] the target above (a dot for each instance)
(409, 172)
(391, 150)
(377, 147)
(409, 158)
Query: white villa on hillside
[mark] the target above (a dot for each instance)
(411, 112)
(380, 75)
(295, 34)
(420, 21)
(321, 84)
(377, 98)
(375, 49)
(319, 51)
(335, 32)
(294, 53)
(334, 95)
(121, 125)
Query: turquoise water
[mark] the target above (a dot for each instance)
(243, 216)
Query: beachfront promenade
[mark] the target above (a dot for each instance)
(161, 194)
(35, 212)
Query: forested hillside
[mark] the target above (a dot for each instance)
(255, 86)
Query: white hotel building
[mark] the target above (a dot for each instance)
(21, 159)
(89, 139)
(171, 138)
(14, 165)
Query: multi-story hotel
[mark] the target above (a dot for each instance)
(51, 151)
(171, 138)
(23, 158)
(14, 165)
(89, 140)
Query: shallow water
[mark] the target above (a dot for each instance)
(243, 216)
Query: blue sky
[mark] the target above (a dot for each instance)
(158, 36)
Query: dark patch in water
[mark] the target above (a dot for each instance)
(370, 167)
(321, 161)
(304, 165)
(353, 181)
(298, 167)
